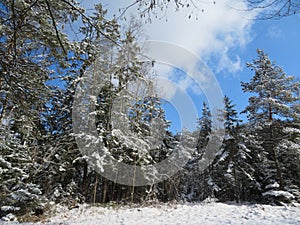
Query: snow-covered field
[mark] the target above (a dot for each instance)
(213, 213)
(183, 214)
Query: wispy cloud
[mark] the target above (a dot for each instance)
(275, 32)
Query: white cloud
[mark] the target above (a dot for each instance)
(217, 31)
(216, 36)
(227, 63)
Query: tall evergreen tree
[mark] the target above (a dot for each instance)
(235, 170)
(275, 97)
(205, 127)
(230, 115)
(226, 171)
(33, 49)
(275, 92)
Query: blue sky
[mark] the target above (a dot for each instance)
(225, 39)
(280, 39)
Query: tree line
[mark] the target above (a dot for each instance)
(40, 162)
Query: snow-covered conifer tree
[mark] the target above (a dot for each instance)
(274, 99)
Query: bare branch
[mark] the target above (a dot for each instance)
(89, 21)
(54, 25)
(275, 9)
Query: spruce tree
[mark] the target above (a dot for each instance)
(205, 127)
(226, 171)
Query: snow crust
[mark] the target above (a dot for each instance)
(213, 213)
(180, 214)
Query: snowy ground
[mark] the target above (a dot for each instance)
(177, 214)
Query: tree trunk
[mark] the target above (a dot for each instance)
(104, 192)
(275, 157)
(237, 188)
(95, 189)
(133, 185)
(278, 170)
(84, 178)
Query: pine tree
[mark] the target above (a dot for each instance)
(225, 174)
(128, 114)
(235, 169)
(205, 127)
(196, 181)
(275, 97)
(230, 115)
(33, 49)
(275, 92)
(67, 177)
(289, 157)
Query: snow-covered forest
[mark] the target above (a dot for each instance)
(41, 164)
